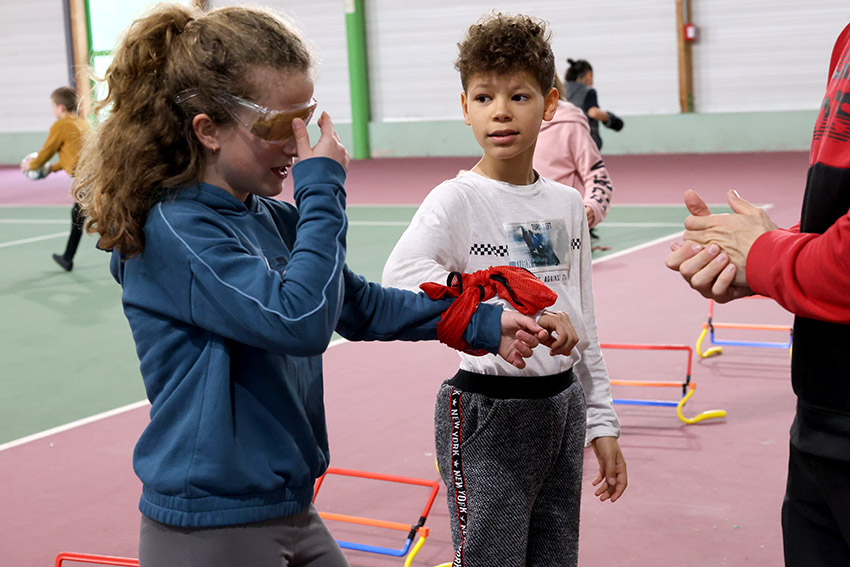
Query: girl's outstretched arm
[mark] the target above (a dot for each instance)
(372, 312)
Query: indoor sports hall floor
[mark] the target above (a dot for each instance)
(706, 494)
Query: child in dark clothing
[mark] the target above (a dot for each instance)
(579, 85)
(66, 139)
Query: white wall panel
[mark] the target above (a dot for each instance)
(412, 47)
(33, 62)
(758, 56)
(751, 55)
(323, 23)
(631, 45)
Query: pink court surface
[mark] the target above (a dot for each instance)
(705, 494)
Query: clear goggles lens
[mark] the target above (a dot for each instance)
(265, 123)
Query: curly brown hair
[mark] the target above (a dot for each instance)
(504, 44)
(146, 145)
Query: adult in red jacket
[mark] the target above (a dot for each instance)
(806, 269)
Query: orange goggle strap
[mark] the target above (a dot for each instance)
(517, 286)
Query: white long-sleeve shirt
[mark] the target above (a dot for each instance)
(470, 223)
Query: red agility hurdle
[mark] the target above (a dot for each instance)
(411, 529)
(407, 550)
(96, 559)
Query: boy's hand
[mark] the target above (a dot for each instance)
(520, 334)
(612, 478)
(562, 335)
(328, 146)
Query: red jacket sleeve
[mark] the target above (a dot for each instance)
(808, 274)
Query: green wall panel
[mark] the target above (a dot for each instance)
(655, 134)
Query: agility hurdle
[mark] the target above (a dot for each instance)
(409, 549)
(687, 385)
(411, 529)
(95, 559)
(710, 325)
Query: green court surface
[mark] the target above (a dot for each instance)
(67, 351)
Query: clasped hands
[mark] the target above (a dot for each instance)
(521, 334)
(713, 256)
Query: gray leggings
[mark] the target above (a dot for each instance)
(301, 540)
(512, 469)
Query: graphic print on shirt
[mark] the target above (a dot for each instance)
(540, 245)
(488, 250)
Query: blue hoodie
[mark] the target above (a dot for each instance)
(230, 313)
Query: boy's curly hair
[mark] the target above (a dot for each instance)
(504, 44)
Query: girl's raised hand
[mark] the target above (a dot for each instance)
(328, 146)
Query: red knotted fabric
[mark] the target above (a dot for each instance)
(517, 286)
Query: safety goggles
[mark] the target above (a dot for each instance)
(265, 123)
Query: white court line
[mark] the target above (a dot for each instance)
(33, 239)
(612, 224)
(33, 206)
(378, 223)
(33, 221)
(72, 425)
(98, 417)
(416, 205)
(615, 224)
(383, 206)
(111, 413)
(665, 205)
(638, 247)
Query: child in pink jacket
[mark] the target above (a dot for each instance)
(566, 153)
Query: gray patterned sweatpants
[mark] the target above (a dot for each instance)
(512, 467)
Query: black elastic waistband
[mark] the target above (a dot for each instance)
(506, 387)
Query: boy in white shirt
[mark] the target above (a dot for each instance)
(510, 442)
